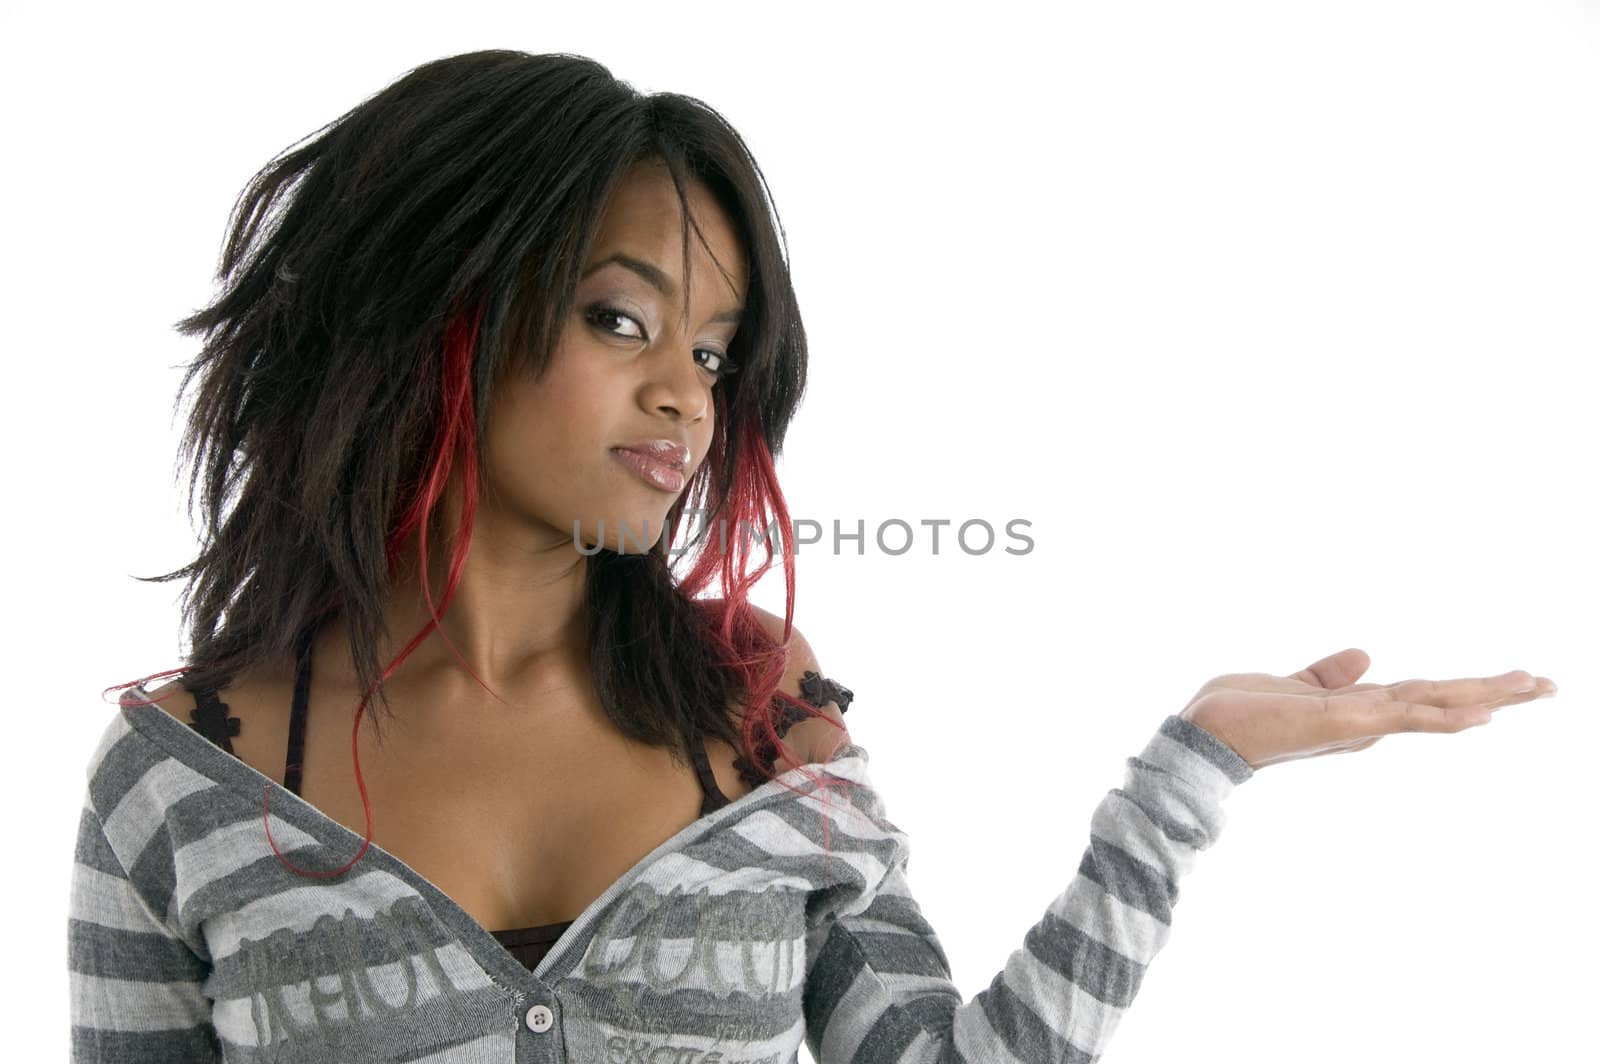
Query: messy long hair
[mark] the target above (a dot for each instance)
(378, 280)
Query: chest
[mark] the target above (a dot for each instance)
(521, 817)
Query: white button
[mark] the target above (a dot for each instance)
(540, 1018)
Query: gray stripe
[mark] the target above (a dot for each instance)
(124, 765)
(1080, 958)
(91, 848)
(1207, 746)
(1128, 879)
(141, 956)
(1026, 1035)
(834, 969)
(197, 1045)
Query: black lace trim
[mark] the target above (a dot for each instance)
(210, 718)
(815, 689)
(819, 691)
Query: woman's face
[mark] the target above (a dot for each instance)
(629, 368)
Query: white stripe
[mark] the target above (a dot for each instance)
(679, 873)
(128, 1005)
(108, 901)
(1204, 779)
(921, 1048)
(1126, 825)
(228, 849)
(144, 809)
(867, 825)
(298, 908)
(977, 1040)
(1110, 921)
(778, 837)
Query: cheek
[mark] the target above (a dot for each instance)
(549, 431)
(571, 403)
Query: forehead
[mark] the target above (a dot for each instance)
(643, 218)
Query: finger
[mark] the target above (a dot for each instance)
(1514, 686)
(1375, 713)
(1335, 670)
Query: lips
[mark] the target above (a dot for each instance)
(652, 470)
(667, 452)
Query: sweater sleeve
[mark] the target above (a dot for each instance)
(135, 984)
(878, 989)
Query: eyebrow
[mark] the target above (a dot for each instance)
(658, 279)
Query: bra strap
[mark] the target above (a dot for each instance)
(714, 798)
(295, 756)
(210, 717)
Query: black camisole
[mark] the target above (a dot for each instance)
(528, 944)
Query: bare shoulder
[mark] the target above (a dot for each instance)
(812, 739)
(175, 700)
(255, 700)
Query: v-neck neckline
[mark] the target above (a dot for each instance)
(196, 751)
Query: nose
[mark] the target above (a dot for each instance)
(676, 384)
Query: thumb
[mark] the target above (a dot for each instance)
(1336, 670)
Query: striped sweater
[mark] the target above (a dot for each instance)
(781, 919)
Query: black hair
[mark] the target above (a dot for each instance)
(469, 190)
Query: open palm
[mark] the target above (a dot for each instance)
(1323, 710)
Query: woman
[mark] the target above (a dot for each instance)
(484, 344)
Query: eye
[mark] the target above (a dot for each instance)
(723, 366)
(601, 315)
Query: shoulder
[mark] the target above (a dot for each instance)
(811, 738)
(254, 706)
(255, 686)
(174, 699)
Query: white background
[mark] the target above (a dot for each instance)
(1276, 321)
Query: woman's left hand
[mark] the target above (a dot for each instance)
(1322, 710)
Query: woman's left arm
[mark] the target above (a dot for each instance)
(878, 985)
